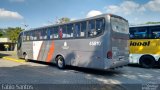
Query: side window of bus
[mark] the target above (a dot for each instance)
(56, 32)
(91, 28)
(62, 31)
(31, 35)
(51, 30)
(34, 35)
(155, 32)
(138, 33)
(37, 35)
(83, 29)
(69, 31)
(44, 34)
(41, 34)
(24, 36)
(100, 26)
(77, 30)
(48, 33)
(27, 36)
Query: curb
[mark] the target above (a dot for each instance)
(15, 60)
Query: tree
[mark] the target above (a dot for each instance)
(12, 33)
(1, 33)
(63, 20)
(152, 23)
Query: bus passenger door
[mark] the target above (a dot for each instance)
(19, 46)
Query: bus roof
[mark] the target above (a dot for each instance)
(144, 25)
(98, 16)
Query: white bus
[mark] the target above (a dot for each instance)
(98, 42)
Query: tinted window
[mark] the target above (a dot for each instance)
(69, 30)
(28, 36)
(51, 32)
(31, 35)
(62, 32)
(83, 29)
(91, 28)
(43, 34)
(95, 27)
(24, 36)
(34, 35)
(100, 26)
(154, 32)
(37, 35)
(77, 30)
(138, 33)
(56, 32)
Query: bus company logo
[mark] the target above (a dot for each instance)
(139, 43)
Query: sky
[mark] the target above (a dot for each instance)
(37, 13)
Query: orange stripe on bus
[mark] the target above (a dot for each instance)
(51, 52)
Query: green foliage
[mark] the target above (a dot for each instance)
(12, 33)
(152, 23)
(1, 33)
(63, 20)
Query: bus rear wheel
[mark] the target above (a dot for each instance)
(158, 62)
(60, 62)
(147, 61)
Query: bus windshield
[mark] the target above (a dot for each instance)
(119, 25)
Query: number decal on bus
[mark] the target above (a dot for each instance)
(95, 43)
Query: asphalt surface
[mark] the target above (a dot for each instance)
(38, 73)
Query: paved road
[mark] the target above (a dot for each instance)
(41, 73)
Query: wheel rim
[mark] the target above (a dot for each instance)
(60, 62)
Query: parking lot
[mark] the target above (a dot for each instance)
(12, 72)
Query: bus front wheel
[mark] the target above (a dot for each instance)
(26, 57)
(60, 62)
(147, 61)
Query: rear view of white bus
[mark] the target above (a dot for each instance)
(119, 53)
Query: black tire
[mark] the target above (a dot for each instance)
(158, 63)
(147, 61)
(26, 58)
(60, 62)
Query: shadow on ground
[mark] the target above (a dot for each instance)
(4, 55)
(50, 75)
(46, 77)
(139, 66)
(108, 72)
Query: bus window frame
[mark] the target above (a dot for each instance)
(86, 32)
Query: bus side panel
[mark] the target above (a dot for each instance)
(141, 47)
(45, 48)
(90, 59)
(80, 53)
(27, 48)
(90, 53)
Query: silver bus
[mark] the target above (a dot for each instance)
(99, 42)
